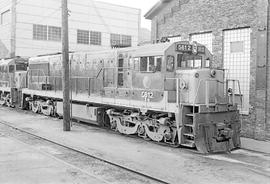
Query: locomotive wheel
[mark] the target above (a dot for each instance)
(2, 102)
(114, 124)
(46, 110)
(35, 107)
(141, 131)
(168, 134)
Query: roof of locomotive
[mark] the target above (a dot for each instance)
(6, 62)
(158, 49)
(149, 49)
(47, 58)
(11, 61)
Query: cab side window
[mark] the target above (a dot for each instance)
(143, 64)
(136, 64)
(158, 63)
(11, 68)
(170, 64)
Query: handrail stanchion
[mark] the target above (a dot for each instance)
(38, 78)
(207, 93)
(226, 91)
(54, 83)
(233, 92)
(46, 83)
(177, 91)
(89, 83)
(76, 85)
(217, 89)
(240, 94)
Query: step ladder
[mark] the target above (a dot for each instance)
(188, 127)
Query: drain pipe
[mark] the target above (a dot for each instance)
(267, 65)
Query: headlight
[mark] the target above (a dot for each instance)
(213, 73)
(183, 85)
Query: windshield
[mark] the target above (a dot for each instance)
(189, 61)
(21, 67)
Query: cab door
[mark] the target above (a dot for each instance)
(120, 71)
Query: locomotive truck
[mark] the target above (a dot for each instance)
(168, 93)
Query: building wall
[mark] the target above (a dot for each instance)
(188, 17)
(85, 15)
(5, 35)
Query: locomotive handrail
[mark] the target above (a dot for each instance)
(116, 67)
(4, 81)
(233, 91)
(103, 68)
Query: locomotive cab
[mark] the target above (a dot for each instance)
(207, 120)
(199, 81)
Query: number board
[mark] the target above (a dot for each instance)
(184, 48)
(201, 49)
(190, 48)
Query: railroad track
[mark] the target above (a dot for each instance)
(121, 168)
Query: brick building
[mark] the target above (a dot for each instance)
(235, 32)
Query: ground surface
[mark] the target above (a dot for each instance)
(27, 159)
(21, 163)
(168, 164)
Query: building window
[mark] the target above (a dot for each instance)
(203, 38)
(118, 40)
(39, 32)
(237, 46)
(5, 17)
(126, 40)
(54, 33)
(95, 38)
(115, 40)
(83, 37)
(237, 61)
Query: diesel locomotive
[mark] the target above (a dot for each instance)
(167, 92)
(13, 73)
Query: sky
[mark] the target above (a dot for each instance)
(144, 5)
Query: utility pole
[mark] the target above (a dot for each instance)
(65, 67)
(13, 29)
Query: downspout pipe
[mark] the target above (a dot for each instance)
(267, 104)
